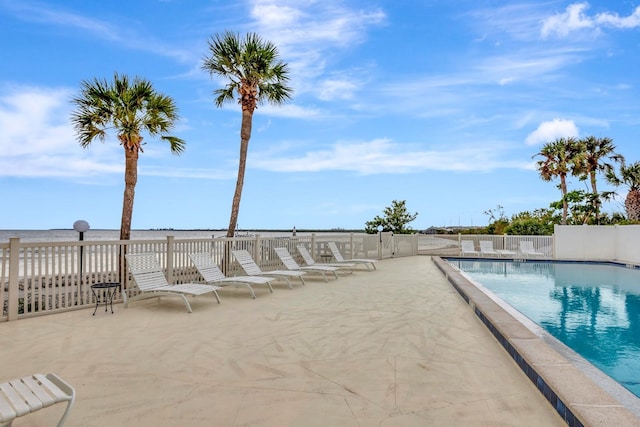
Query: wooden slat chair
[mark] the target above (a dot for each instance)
(29, 394)
(252, 269)
(369, 263)
(212, 274)
(292, 265)
(152, 283)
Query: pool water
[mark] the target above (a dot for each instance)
(592, 308)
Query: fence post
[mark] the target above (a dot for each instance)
(351, 247)
(14, 286)
(257, 252)
(313, 245)
(170, 259)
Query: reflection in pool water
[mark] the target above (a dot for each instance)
(592, 308)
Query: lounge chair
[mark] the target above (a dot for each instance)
(29, 394)
(506, 253)
(467, 248)
(527, 249)
(486, 248)
(212, 274)
(369, 263)
(308, 259)
(152, 283)
(292, 265)
(252, 269)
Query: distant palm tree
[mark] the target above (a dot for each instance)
(629, 176)
(255, 76)
(129, 108)
(592, 158)
(558, 160)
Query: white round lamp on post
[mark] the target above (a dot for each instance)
(81, 226)
(380, 228)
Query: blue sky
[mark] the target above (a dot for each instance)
(439, 103)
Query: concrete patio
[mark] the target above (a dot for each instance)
(393, 347)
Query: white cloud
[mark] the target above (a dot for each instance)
(331, 89)
(614, 20)
(38, 140)
(549, 131)
(126, 35)
(574, 18)
(571, 20)
(382, 156)
(309, 33)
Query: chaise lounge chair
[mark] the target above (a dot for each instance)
(308, 259)
(29, 394)
(369, 263)
(292, 265)
(467, 248)
(152, 283)
(486, 248)
(252, 269)
(527, 249)
(212, 274)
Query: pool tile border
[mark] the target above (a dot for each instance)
(577, 399)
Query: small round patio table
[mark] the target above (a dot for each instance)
(107, 290)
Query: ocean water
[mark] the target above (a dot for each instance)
(72, 235)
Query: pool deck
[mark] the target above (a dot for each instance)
(398, 346)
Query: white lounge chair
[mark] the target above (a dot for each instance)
(506, 253)
(29, 394)
(369, 263)
(252, 269)
(152, 283)
(527, 249)
(308, 259)
(212, 274)
(467, 248)
(292, 265)
(486, 248)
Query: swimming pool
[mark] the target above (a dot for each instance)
(592, 308)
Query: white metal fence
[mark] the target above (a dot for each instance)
(49, 277)
(39, 278)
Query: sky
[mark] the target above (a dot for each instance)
(443, 104)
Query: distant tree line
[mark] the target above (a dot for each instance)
(586, 159)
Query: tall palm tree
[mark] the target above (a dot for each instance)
(557, 162)
(591, 159)
(629, 176)
(129, 108)
(255, 75)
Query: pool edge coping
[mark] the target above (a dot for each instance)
(576, 398)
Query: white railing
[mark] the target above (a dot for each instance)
(48, 277)
(542, 244)
(38, 278)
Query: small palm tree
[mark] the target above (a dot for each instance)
(255, 75)
(629, 176)
(592, 158)
(129, 108)
(558, 162)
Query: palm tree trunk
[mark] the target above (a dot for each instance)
(245, 135)
(130, 180)
(565, 205)
(596, 197)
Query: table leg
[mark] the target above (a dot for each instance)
(97, 301)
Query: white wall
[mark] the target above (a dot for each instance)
(598, 242)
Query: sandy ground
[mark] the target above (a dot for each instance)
(392, 347)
